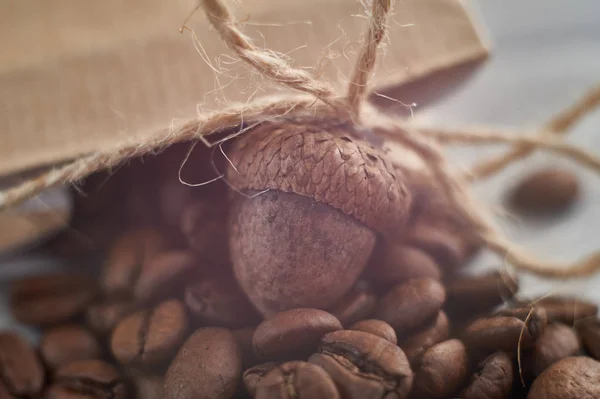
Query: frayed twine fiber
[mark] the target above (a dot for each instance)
(320, 101)
(559, 125)
(368, 54)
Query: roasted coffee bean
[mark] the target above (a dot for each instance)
(409, 305)
(97, 216)
(357, 305)
(126, 257)
(87, 379)
(255, 374)
(102, 317)
(447, 249)
(498, 333)
(21, 372)
(566, 310)
(415, 343)
(218, 301)
(546, 190)
(493, 378)
(52, 298)
(148, 386)
(296, 380)
(364, 365)
(4, 393)
(589, 332)
(172, 199)
(149, 337)
(442, 370)
(376, 327)
(204, 225)
(397, 263)
(139, 196)
(294, 332)
(469, 295)
(536, 318)
(163, 275)
(68, 343)
(208, 365)
(570, 378)
(243, 336)
(557, 342)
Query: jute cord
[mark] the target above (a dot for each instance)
(320, 101)
(483, 136)
(365, 64)
(264, 61)
(558, 126)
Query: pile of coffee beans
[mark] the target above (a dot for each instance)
(162, 322)
(166, 314)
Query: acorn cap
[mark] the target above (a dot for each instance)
(323, 163)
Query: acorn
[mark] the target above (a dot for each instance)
(309, 206)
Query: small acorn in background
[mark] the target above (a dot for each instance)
(313, 202)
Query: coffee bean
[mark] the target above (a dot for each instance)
(102, 317)
(294, 332)
(68, 343)
(557, 342)
(364, 365)
(296, 380)
(535, 317)
(208, 365)
(163, 275)
(397, 263)
(407, 306)
(203, 224)
(570, 378)
(416, 343)
(255, 374)
(149, 337)
(442, 369)
(126, 257)
(548, 190)
(199, 166)
(447, 249)
(4, 393)
(148, 386)
(376, 327)
(493, 378)
(21, 372)
(87, 379)
(498, 333)
(96, 216)
(589, 332)
(140, 197)
(173, 196)
(218, 301)
(357, 305)
(243, 336)
(565, 309)
(52, 298)
(470, 295)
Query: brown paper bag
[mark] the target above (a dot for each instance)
(79, 76)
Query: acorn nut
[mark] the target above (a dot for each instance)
(320, 198)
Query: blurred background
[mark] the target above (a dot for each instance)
(545, 56)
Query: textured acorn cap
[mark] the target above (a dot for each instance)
(322, 162)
